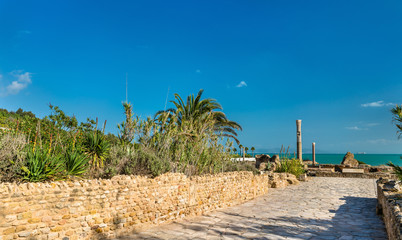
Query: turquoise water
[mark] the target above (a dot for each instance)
(371, 159)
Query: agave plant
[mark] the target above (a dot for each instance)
(76, 162)
(41, 166)
(96, 147)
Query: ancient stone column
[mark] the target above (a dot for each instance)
(313, 153)
(299, 141)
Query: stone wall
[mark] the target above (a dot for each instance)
(389, 205)
(349, 175)
(91, 209)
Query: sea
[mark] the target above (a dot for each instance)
(371, 159)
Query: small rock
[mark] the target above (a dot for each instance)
(349, 160)
(392, 186)
(24, 234)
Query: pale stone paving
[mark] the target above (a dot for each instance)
(322, 208)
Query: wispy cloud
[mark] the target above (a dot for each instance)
(198, 71)
(377, 104)
(355, 128)
(372, 124)
(381, 141)
(241, 84)
(19, 81)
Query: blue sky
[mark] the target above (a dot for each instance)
(337, 65)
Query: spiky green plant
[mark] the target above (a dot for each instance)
(76, 162)
(196, 108)
(41, 166)
(397, 118)
(96, 147)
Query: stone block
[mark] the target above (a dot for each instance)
(352, 170)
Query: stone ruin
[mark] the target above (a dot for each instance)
(349, 160)
(265, 162)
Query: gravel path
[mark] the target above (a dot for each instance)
(322, 208)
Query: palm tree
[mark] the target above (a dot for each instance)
(195, 109)
(397, 112)
(246, 149)
(252, 150)
(241, 150)
(234, 150)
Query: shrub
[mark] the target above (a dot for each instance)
(41, 166)
(96, 147)
(241, 166)
(293, 166)
(12, 156)
(76, 163)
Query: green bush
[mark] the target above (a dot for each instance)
(42, 166)
(293, 166)
(96, 147)
(76, 163)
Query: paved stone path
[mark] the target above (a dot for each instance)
(322, 208)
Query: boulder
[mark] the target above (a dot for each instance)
(279, 180)
(261, 158)
(263, 166)
(349, 160)
(265, 162)
(275, 162)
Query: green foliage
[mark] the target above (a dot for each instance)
(397, 118)
(42, 166)
(241, 166)
(397, 170)
(193, 138)
(76, 162)
(195, 109)
(293, 166)
(96, 147)
(127, 128)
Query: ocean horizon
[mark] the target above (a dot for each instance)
(336, 158)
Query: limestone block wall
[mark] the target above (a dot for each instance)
(389, 205)
(92, 209)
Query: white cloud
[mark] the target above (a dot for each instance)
(241, 84)
(355, 128)
(198, 71)
(21, 80)
(376, 104)
(381, 141)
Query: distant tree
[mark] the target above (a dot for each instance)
(252, 150)
(234, 150)
(397, 119)
(196, 109)
(246, 149)
(241, 149)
